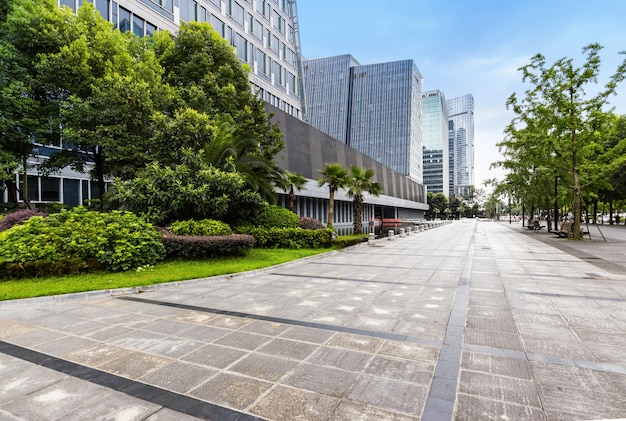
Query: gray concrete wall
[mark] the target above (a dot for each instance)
(307, 150)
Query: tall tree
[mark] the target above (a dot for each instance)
(359, 182)
(333, 175)
(558, 124)
(291, 182)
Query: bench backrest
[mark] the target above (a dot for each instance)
(566, 226)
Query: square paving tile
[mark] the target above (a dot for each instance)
(286, 403)
(134, 364)
(288, 349)
(344, 359)
(231, 390)
(179, 376)
(399, 369)
(214, 356)
(264, 367)
(356, 342)
(392, 395)
(322, 379)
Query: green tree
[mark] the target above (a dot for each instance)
(232, 150)
(334, 176)
(209, 77)
(359, 182)
(192, 189)
(291, 182)
(558, 127)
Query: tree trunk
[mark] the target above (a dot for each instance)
(331, 208)
(358, 214)
(292, 200)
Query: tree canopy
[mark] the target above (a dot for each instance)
(560, 131)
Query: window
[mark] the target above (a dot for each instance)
(124, 20)
(187, 10)
(218, 3)
(241, 45)
(69, 3)
(236, 12)
(257, 29)
(50, 190)
(150, 28)
(32, 187)
(217, 25)
(274, 43)
(138, 25)
(103, 7)
(261, 59)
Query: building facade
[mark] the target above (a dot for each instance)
(375, 109)
(461, 114)
(435, 142)
(264, 33)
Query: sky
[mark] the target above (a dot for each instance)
(469, 47)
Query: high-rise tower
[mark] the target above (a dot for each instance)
(435, 142)
(375, 108)
(461, 113)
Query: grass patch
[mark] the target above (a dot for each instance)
(170, 271)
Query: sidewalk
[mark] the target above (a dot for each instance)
(474, 320)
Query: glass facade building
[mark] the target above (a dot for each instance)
(375, 109)
(435, 142)
(461, 114)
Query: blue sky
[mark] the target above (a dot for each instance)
(469, 46)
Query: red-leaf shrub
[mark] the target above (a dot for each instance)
(194, 247)
(17, 217)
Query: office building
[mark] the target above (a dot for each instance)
(264, 33)
(461, 114)
(375, 108)
(435, 142)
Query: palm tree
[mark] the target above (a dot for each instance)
(359, 181)
(292, 181)
(333, 175)
(231, 150)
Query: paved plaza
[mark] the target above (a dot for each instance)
(473, 320)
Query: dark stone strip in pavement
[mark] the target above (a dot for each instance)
(550, 359)
(551, 294)
(177, 402)
(341, 278)
(442, 397)
(292, 322)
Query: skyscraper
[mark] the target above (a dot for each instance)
(375, 108)
(461, 113)
(435, 142)
(264, 33)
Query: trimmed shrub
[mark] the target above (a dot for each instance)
(308, 223)
(193, 247)
(290, 238)
(116, 240)
(204, 227)
(37, 268)
(18, 217)
(349, 240)
(276, 216)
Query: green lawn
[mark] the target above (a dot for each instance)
(163, 272)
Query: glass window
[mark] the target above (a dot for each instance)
(32, 187)
(241, 45)
(201, 14)
(218, 3)
(50, 189)
(261, 62)
(103, 7)
(257, 29)
(69, 3)
(217, 25)
(274, 43)
(124, 20)
(150, 28)
(187, 10)
(138, 24)
(237, 12)
(95, 191)
(71, 192)
(260, 5)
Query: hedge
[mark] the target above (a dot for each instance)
(193, 247)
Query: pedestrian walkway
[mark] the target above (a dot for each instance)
(469, 321)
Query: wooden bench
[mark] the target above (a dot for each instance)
(535, 225)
